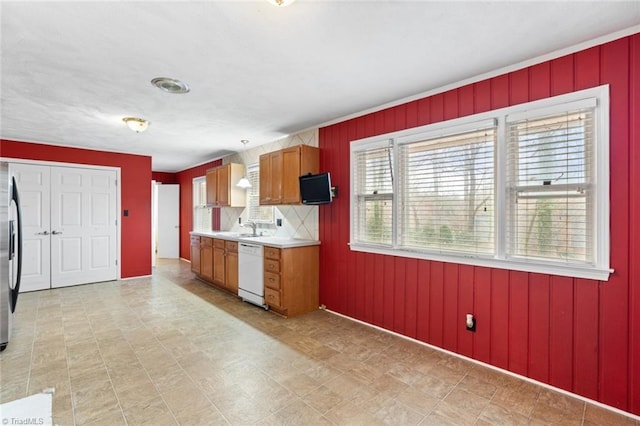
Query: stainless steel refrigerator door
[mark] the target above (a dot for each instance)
(15, 243)
(10, 252)
(5, 272)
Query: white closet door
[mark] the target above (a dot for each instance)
(83, 226)
(34, 190)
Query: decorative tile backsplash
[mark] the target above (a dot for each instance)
(297, 221)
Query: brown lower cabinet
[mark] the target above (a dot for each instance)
(218, 262)
(231, 266)
(215, 261)
(291, 279)
(290, 274)
(195, 254)
(206, 264)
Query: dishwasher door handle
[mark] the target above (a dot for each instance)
(253, 246)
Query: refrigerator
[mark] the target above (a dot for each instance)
(10, 252)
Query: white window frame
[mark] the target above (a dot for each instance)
(199, 205)
(599, 270)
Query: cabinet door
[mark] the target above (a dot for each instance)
(276, 177)
(223, 185)
(271, 178)
(206, 259)
(232, 272)
(212, 185)
(290, 174)
(265, 178)
(218, 266)
(195, 255)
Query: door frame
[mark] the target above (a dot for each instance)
(88, 166)
(156, 215)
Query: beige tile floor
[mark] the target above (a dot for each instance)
(173, 350)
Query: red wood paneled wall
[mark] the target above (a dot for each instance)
(164, 177)
(576, 334)
(185, 179)
(135, 173)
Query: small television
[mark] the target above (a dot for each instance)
(316, 189)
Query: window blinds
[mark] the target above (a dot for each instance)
(256, 213)
(446, 192)
(374, 195)
(550, 164)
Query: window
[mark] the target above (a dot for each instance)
(374, 191)
(550, 186)
(447, 192)
(256, 212)
(523, 188)
(201, 213)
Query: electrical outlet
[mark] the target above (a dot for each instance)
(279, 222)
(470, 323)
(240, 220)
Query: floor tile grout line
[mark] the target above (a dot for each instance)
(145, 369)
(33, 344)
(93, 335)
(66, 349)
(168, 350)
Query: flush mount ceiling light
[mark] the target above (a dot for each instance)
(281, 3)
(136, 124)
(244, 182)
(170, 85)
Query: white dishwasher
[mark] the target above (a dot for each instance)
(250, 273)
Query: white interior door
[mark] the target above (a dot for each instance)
(168, 242)
(83, 226)
(35, 190)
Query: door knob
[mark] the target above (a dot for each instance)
(56, 232)
(43, 233)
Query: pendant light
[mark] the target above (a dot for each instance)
(244, 182)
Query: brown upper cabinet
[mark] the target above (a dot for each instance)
(221, 186)
(280, 170)
(271, 178)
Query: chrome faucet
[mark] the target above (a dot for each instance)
(253, 228)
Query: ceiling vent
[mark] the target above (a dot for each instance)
(170, 85)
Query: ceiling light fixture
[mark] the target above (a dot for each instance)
(136, 124)
(281, 3)
(170, 85)
(244, 182)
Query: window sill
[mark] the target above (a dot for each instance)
(550, 268)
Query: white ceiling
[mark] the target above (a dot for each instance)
(72, 70)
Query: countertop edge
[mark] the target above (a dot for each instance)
(264, 241)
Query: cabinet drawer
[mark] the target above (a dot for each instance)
(195, 240)
(271, 265)
(218, 243)
(272, 280)
(272, 297)
(205, 241)
(232, 246)
(271, 253)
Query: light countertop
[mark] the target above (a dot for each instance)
(280, 242)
